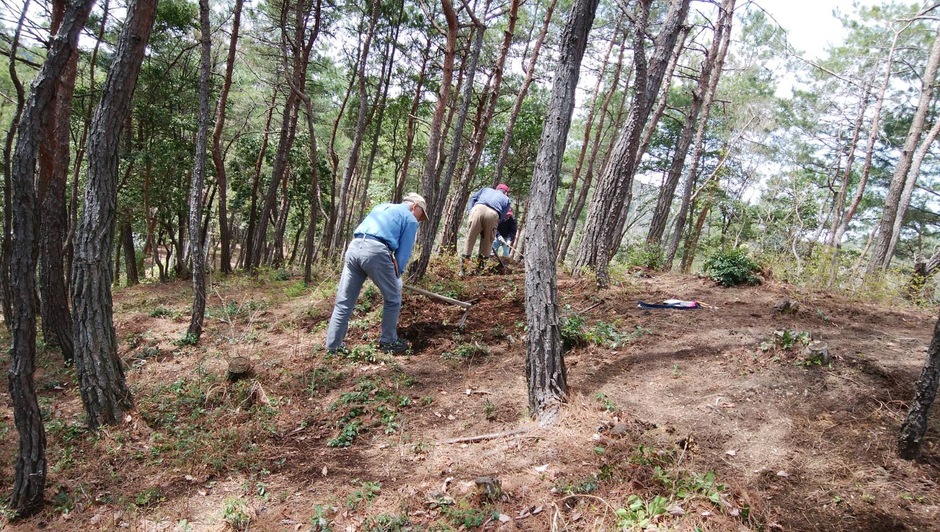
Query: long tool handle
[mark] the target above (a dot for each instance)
(432, 295)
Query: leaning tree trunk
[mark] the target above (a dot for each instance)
(429, 176)
(429, 229)
(914, 426)
(545, 363)
(699, 95)
(104, 391)
(6, 248)
(611, 202)
(225, 237)
(341, 206)
(197, 253)
(30, 474)
(53, 176)
(879, 255)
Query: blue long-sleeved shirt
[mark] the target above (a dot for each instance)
(394, 224)
(492, 198)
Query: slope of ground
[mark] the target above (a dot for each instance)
(711, 418)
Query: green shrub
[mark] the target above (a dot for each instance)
(731, 268)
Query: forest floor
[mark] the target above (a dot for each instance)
(709, 419)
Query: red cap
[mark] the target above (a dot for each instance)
(502, 187)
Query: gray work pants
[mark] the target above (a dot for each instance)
(372, 259)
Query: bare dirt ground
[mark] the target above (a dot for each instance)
(709, 419)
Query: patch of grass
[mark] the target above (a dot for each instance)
(149, 498)
(387, 523)
(467, 352)
(368, 406)
(296, 289)
(322, 379)
(162, 312)
(466, 518)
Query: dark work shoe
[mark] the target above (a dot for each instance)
(340, 349)
(398, 346)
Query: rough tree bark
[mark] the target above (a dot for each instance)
(53, 176)
(545, 364)
(6, 248)
(104, 391)
(196, 251)
(30, 474)
(426, 237)
(610, 203)
(914, 426)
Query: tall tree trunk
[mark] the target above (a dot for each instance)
(130, 256)
(589, 121)
(429, 178)
(225, 237)
(611, 200)
(909, 184)
(914, 427)
(340, 205)
(248, 247)
(879, 255)
(53, 177)
(699, 94)
(197, 253)
(698, 150)
(545, 363)
(30, 474)
(429, 229)
(104, 391)
(6, 248)
(570, 223)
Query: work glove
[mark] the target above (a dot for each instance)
(401, 284)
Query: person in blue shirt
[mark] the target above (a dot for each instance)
(505, 234)
(487, 207)
(380, 250)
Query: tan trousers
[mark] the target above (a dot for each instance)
(483, 222)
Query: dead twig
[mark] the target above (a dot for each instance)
(491, 436)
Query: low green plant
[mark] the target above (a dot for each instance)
(187, 339)
(644, 255)
(466, 518)
(161, 312)
(235, 512)
(296, 289)
(367, 492)
(387, 523)
(573, 330)
(608, 403)
(149, 498)
(319, 521)
(640, 514)
(732, 267)
(489, 411)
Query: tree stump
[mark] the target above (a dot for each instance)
(818, 353)
(239, 368)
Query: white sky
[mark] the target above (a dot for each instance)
(810, 24)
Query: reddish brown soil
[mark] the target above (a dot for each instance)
(796, 447)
